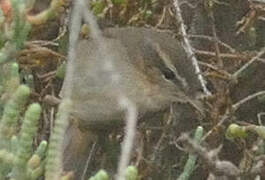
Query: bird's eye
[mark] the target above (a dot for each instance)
(168, 74)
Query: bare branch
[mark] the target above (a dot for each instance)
(237, 73)
(187, 47)
(225, 73)
(248, 98)
(216, 45)
(209, 38)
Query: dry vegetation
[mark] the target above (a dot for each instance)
(228, 41)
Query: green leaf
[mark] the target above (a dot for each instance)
(118, 2)
(235, 131)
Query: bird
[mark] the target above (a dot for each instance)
(153, 72)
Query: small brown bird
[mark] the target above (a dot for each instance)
(153, 73)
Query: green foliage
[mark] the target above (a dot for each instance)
(260, 130)
(98, 7)
(11, 112)
(53, 170)
(42, 149)
(9, 78)
(101, 175)
(147, 14)
(118, 2)
(131, 173)
(36, 164)
(27, 133)
(16, 152)
(190, 164)
(19, 26)
(12, 102)
(60, 72)
(16, 149)
(9, 81)
(17, 31)
(236, 131)
(2, 35)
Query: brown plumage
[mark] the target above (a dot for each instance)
(154, 72)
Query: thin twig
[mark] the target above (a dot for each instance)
(40, 50)
(248, 98)
(209, 38)
(216, 45)
(219, 124)
(243, 57)
(162, 18)
(187, 47)
(225, 73)
(244, 67)
(88, 160)
(164, 132)
(130, 131)
(222, 55)
(41, 43)
(228, 114)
